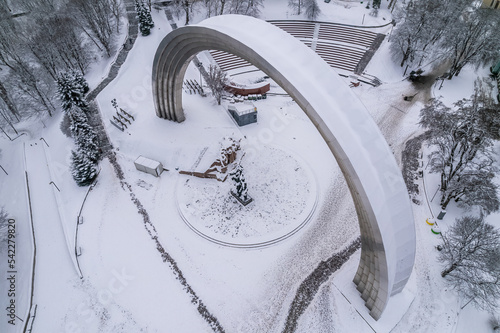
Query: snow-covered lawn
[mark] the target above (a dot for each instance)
(127, 287)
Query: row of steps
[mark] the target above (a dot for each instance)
(342, 47)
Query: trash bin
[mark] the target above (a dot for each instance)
(441, 215)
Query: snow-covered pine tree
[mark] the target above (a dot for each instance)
(376, 4)
(84, 135)
(80, 82)
(83, 169)
(240, 183)
(71, 89)
(64, 91)
(145, 19)
(148, 17)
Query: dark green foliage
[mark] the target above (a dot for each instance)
(239, 183)
(145, 19)
(85, 158)
(83, 169)
(84, 135)
(66, 125)
(71, 89)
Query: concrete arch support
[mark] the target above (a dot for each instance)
(374, 179)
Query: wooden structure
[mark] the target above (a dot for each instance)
(248, 90)
(220, 167)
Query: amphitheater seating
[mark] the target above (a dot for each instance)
(342, 47)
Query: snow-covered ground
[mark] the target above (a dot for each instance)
(127, 286)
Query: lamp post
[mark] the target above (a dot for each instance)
(200, 65)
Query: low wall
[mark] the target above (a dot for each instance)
(248, 91)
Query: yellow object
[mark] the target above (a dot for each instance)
(430, 221)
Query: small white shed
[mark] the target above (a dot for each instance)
(148, 165)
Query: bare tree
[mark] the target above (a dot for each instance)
(246, 7)
(7, 119)
(37, 7)
(37, 92)
(462, 153)
(58, 46)
(420, 28)
(98, 23)
(24, 75)
(36, 47)
(471, 248)
(216, 81)
(5, 96)
(472, 40)
(312, 9)
(116, 7)
(185, 6)
(296, 5)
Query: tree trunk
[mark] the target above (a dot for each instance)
(448, 270)
(223, 3)
(186, 9)
(8, 122)
(445, 200)
(10, 105)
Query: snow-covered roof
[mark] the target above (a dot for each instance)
(242, 108)
(147, 162)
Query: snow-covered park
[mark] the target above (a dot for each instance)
(178, 253)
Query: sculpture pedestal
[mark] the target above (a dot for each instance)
(241, 201)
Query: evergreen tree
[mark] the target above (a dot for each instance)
(145, 19)
(148, 17)
(84, 135)
(71, 89)
(80, 82)
(376, 4)
(83, 169)
(240, 183)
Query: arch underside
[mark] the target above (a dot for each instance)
(374, 179)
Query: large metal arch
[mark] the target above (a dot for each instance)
(371, 172)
